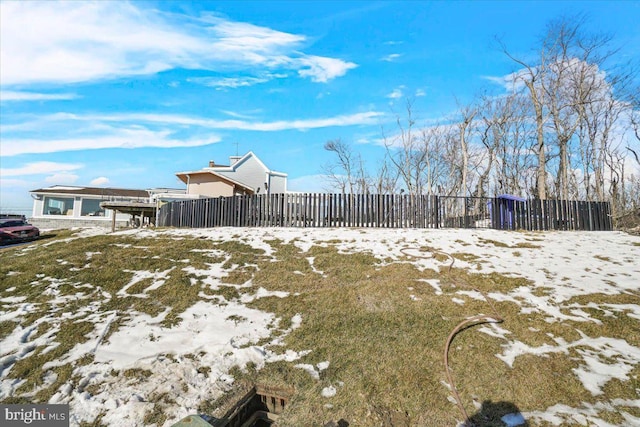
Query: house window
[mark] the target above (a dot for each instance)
(91, 207)
(58, 206)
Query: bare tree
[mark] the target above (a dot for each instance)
(434, 174)
(464, 128)
(341, 171)
(564, 78)
(386, 178)
(634, 118)
(532, 74)
(405, 152)
(504, 132)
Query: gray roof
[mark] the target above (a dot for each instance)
(92, 191)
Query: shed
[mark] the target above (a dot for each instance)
(503, 210)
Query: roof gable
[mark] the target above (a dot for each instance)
(241, 162)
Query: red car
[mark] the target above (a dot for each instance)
(14, 230)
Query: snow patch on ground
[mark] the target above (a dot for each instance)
(603, 358)
(329, 391)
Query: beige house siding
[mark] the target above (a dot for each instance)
(203, 185)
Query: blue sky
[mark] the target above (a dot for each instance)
(126, 94)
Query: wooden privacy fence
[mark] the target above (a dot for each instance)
(385, 211)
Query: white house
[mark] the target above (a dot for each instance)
(244, 175)
(61, 206)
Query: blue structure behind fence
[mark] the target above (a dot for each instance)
(386, 211)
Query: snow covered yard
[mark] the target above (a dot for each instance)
(144, 327)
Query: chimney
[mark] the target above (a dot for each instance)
(211, 163)
(233, 160)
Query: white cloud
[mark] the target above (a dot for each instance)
(81, 41)
(62, 178)
(40, 168)
(74, 132)
(85, 41)
(103, 180)
(230, 82)
(247, 115)
(510, 82)
(139, 136)
(248, 39)
(119, 138)
(7, 95)
(392, 57)
(396, 93)
(420, 92)
(321, 69)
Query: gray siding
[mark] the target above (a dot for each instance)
(250, 172)
(278, 184)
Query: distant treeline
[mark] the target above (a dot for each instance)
(567, 127)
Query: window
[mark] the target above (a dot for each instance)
(91, 207)
(13, 223)
(58, 206)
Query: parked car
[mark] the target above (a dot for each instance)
(14, 230)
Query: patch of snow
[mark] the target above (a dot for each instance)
(329, 391)
(603, 358)
(310, 369)
(472, 294)
(159, 277)
(13, 299)
(20, 310)
(587, 414)
(263, 293)
(494, 330)
(322, 366)
(204, 327)
(434, 283)
(296, 321)
(313, 267)
(287, 356)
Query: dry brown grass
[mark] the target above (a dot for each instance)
(385, 349)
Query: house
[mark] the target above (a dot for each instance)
(244, 175)
(61, 206)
